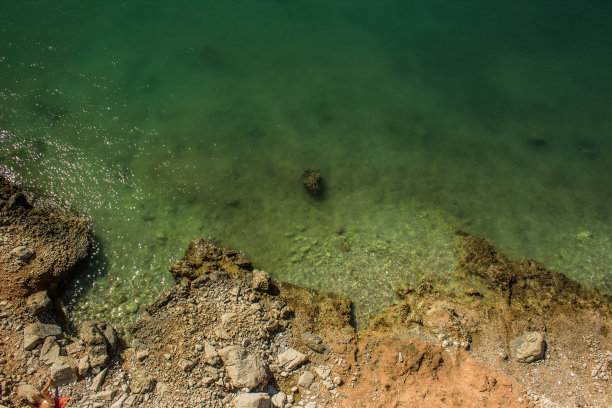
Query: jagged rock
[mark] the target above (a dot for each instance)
(252, 400)
(141, 383)
(52, 241)
(314, 342)
(130, 401)
(244, 370)
(186, 365)
(39, 303)
(96, 344)
(110, 334)
(98, 380)
(260, 280)
(210, 354)
(50, 351)
(106, 395)
(63, 371)
(120, 401)
(73, 349)
(291, 359)
(306, 379)
(279, 400)
(83, 366)
(91, 335)
(36, 333)
(529, 347)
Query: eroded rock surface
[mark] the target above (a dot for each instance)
(39, 246)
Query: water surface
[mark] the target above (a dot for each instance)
(164, 121)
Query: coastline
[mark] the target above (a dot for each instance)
(228, 334)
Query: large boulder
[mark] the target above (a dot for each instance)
(244, 370)
(36, 333)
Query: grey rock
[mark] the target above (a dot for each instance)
(106, 395)
(260, 280)
(141, 383)
(244, 370)
(36, 333)
(63, 371)
(39, 303)
(314, 342)
(291, 359)
(252, 400)
(528, 347)
(306, 379)
(210, 354)
(50, 351)
(98, 380)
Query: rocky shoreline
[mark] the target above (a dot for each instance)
(513, 335)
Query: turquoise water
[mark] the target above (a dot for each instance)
(163, 121)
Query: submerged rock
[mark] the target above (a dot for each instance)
(311, 179)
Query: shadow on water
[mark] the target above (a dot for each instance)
(83, 278)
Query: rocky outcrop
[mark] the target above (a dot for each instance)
(40, 244)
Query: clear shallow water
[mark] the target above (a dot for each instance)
(163, 121)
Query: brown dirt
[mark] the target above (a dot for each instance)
(398, 370)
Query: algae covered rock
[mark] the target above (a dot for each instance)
(312, 181)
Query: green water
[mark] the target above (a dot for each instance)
(164, 121)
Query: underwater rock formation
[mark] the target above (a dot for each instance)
(312, 181)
